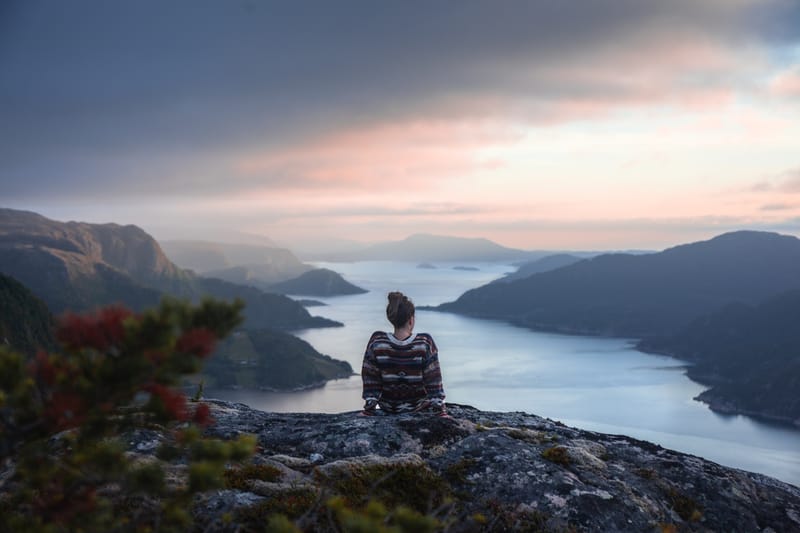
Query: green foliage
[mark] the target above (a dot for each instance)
(505, 517)
(198, 394)
(557, 454)
(237, 478)
(531, 436)
(64, 416)
(391, 485)
(303, 510)
(378, 498)
(292, 504)
(375, 518)
(457, 472)
(25, 322)
(686, 507)
(281, 524)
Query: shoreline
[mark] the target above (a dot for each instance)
(721, 404)
(724, 406)
(718, 404)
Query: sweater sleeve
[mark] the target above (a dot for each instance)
(370, 376)
(432, 376)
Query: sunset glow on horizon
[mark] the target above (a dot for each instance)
(539, 126)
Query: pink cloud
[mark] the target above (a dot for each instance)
(787, 182)
(778, 207)
(786, 84)
(379, 157)
(791, 181)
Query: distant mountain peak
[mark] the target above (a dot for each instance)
(751, 235)
(425, 247)
(428, 237)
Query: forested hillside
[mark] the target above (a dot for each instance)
(749, 355)
(25, 322)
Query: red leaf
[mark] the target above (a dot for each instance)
(197, 341)
(202, 415)
(100, 330)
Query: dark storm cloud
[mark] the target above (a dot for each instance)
(138, 96)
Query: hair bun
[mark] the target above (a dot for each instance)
(396, 296)
(400, 309)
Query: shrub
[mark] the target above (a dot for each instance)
(63, 417)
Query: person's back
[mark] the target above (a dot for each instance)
(401, 370)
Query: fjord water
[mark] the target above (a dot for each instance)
(599, 384)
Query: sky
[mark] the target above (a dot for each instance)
(543, 124)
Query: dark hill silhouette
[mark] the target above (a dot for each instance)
(550, 262)
(749, 355)
(269, 359)
(26, 324)
(318, 282)
(643, 295)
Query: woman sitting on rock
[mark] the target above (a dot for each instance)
(401, 370)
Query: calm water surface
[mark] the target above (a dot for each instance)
(593, 383)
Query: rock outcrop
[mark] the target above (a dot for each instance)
(483, 471)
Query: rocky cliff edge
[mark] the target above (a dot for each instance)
(480, 471)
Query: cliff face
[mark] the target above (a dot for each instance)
(482, 471)
(75, 265)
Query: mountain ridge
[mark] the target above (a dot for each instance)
(627, 295)
(424, 247)
(78, 266)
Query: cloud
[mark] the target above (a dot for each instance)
(143, 97)
(786, 84)
(386, 157)
(787, 182)
(778, 207)
(790, 181)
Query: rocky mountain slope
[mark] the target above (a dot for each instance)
(73, 265)
(79, 266)
(480, 471)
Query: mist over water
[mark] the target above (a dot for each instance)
(599, 384)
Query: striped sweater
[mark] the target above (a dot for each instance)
(401, 376)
